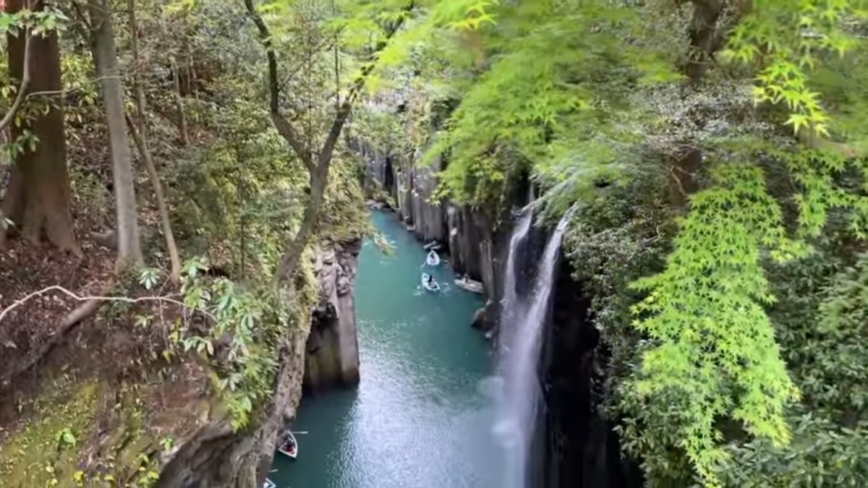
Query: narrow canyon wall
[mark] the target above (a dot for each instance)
(582, 449)
(576, 447)
(332, 350)
(469, 237)
(215, 456)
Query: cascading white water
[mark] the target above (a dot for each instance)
(522, 324)
(510, 306)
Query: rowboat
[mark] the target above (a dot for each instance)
(288, 445)
(429, 285)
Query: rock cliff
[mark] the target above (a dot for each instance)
(582, 449)
(332, 348)
(467, 235)
(107, 405)
(323, 354)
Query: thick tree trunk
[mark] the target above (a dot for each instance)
(106, 59)
(292, 254)
(37, 200)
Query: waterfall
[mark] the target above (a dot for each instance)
(510, 305)
(522, 323)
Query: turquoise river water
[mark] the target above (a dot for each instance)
(421, 416)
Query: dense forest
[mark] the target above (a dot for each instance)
(171, 166)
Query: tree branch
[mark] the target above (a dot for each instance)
(25, 81)
(319, 174)
(325, 155)
(162, 206)
(283, 126)
(96, 298)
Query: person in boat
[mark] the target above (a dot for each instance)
(288, 444)
(431, 281)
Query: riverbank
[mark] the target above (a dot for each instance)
(421, 416)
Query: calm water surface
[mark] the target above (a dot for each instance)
(421, 417)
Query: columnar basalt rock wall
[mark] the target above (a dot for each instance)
(332, 350)
(582, 449)
(462, 232)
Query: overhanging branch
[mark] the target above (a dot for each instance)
(343, 112)
(283, 126)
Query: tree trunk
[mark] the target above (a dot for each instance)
(182, 117)
(162, 207)
(141, 141)
(106, 59)
(292, 254)
(38, 197)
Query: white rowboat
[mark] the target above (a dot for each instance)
(433, 286)
(288, 445)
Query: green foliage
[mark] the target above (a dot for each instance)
(345, 216)
(821, 454)
(833, 367)
(700, 310)
(254, 321)
(792, 40)
(591, 92)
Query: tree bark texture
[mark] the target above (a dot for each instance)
(38, 197)
(106, 59)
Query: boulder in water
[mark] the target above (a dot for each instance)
(483, 318)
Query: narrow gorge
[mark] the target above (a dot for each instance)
(526, 285)
(418, 243)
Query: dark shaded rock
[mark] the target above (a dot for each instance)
(484, 319)
(582, 449)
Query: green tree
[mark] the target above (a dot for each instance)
(37, 200)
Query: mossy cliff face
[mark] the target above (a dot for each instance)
(91, 430)
(37, 454)
(106, 408)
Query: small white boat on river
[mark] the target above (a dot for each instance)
(288, 445)
(429, 284)
(268, 484)
(433, 259)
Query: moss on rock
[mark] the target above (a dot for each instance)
(45, 450)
